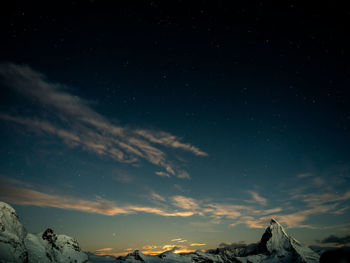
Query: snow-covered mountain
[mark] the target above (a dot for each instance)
(275, 246)
(16, 245)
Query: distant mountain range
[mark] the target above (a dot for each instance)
(275, 246)
(16, 245)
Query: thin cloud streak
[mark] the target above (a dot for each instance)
(305, 175)
(162, 174)
(186, 203)
(157, 197)
(257, 198)
(103, 251)
(317, 199)
(169, 140)
(81, 126)
(293, 220)
(149, 247)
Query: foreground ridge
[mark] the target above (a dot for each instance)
(19, 246)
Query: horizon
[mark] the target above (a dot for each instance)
(176, 126)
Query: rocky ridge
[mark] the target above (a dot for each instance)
(19, 246)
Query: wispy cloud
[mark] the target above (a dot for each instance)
(294, 220)
(162, 174)
(156, 196)
(340, 211)
(225, 210)
(297, 219)
(103, 251)
(149, 247)
(180, 188)
(108, 252)
(304, 175)
(185, 202)
(267, 211)
(182, 241)
(257, 198)
(79, 125)
(177, 249)
(317, 199)
(197, 244)
(179, 240)
(169, 247)
(183, 175)
(169, 140)
(320, 194)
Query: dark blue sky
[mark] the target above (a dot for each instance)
(136, 125)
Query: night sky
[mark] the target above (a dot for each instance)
(160, 125)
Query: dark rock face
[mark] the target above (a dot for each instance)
(336, 256)
(265, 237)
(50, 237)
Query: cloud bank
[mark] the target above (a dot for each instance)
(77, 124)
(18, 192)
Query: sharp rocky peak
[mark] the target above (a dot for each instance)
(275, 239)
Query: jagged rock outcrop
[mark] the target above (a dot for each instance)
(16, 245)
(12, 235)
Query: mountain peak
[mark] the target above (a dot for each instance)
(277, 242)
(275, 239)
(273, 221)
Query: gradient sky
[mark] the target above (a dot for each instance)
(158, 125)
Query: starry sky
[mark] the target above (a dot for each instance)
(169, 125)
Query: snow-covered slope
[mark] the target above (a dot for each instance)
(12, 234)
(16, 245)
(49, 247)
(280, 247)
